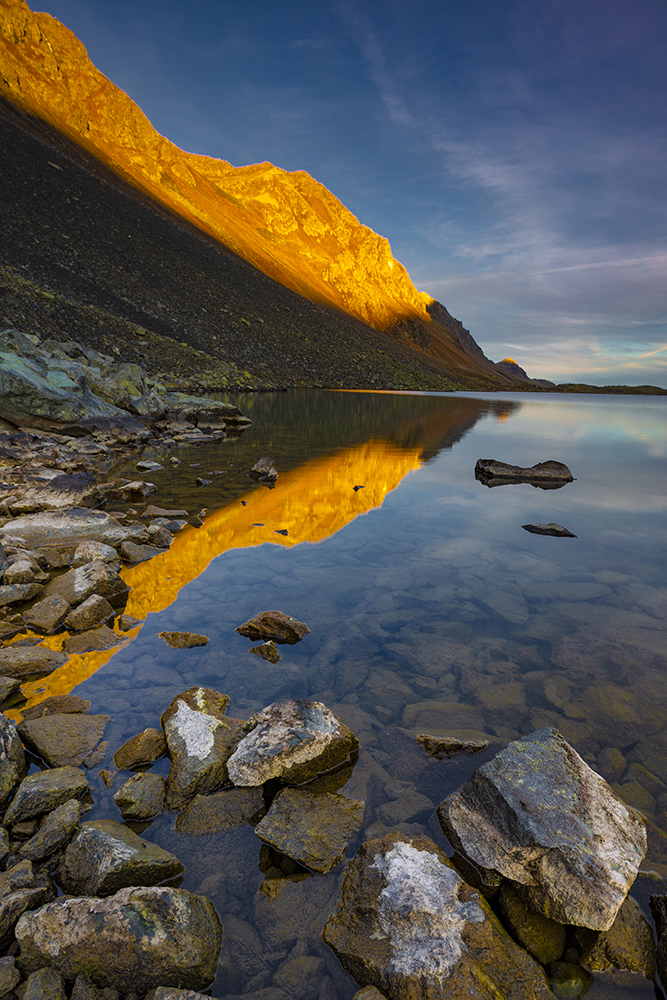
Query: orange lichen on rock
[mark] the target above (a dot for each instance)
(285, 223)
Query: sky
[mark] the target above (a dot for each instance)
(512, 151)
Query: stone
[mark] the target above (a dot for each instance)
(171, 993)
(292, 741)
(300, 977)
(141, 751)
(267, 651)
(58, 704)
(220, 811)
(274, 625)
(313, 829)
(154, 935)
(57, 828)
(546, 475)
(628, 945)
(409, 925)
(200, 740)
(9, 975)
(141, 797)
(68, 528)
(444, 747)
(557, 530)
(127, 622)
(183, 640)
(45, 984)
(21, 571)
(96, 577)
(17, 593)
(89, 551)
(152, 511)
(537, 814)
(13, 766)
(569, 980)
(542, 937)
(44, 791)
(139, 488)
(83, 989)
(47, 615)
(95, 610)
(160, 536)
(99, 638)
(8, 685)
(106, 856)
(134, 553)
(63, 740)
(147, 465)
(369, 993)
(407, 804)
(611, 764)
(29, 661)
(20, 890)
(264, 471)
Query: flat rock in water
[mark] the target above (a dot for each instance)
(267, 651)
(58, 704)
(200, 740)
(134, 553)
(29, 661)
(95, 610)
(141, 750)
(183, 640)
(264, 471)
(13, 766)
(409, 925)
(141, 797)
(106, 856)
(557, 530)
(221, 811)
(312, 829)
(152, 511)
(547, 475)
(448, 746)
(274, 625)
(127, 622)
(44, 791)
(54, 832)
(62, 740)
(99, 638)
(68, 528)
(292, 741)
(96, 577)
(47, 615)
(538, 815)
(157, 934)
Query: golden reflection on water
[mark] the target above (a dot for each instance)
(312, 503)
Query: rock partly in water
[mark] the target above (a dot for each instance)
(267, 651)
(200, 740)
(627, 946)
(97, 577)
(63, 740)
(274, 625)
(542, 937)
(221, 811)
(183, 640)
(264, 471)
(557, 530)
(68, 528)
(409, 925)
(21, 889)
(29, 661)
(547, 475)
(538, 814)
(152, 935)
(99, 638)
(58, 704)
(106, 856)
(444, 747)
(44, 791)
(13, 766)
(57, 828)
(141, 797)
(95, 610)
(47, 615)
(141, 751)
(313, 829)
(292, 741)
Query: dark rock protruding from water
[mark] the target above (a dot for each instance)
(547, 475)
(275, 625)
(448, 746)
(557, 530)
(538, 815)
(63, 740)
(132, 941)
(183, 640)
(264, 471)
(409, 925)
(267, 651)
(141, 751)
(44, 791)
(29, 661)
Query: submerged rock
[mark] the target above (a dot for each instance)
(312, 829)
(409, 925)
(292, 741)
(538, 814)
(13, 766)
(141, 751)
(541, 936)
(267, 651)
(183, 640)
(448, 746)
(62, 740)
(58, 704)
(150, 934)
(44, 791)
(29, 661)
(628, 945)
(141, 797)
(547, 475)
(106, 856)
(548, 529)
(274, 625)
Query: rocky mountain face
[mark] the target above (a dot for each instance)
(287, 225)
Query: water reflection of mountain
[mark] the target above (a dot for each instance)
(312, 501)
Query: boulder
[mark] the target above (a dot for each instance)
(542, 937)
(83, 989)
(44, 791)
(264, 471)
(17, 593)
(220, 811)
(106, 856)
(89, 550)
(537, 814)
(29, 661)
(55, 831)
(547, 475)
(95, 610)
(8, 685)
(127, 622)
(23, 571)
(183, 640)
(171, 993)
(99, 638)
(200, 740)
(61, 492)
(141, 797)
(150, 935)
(313, 829)
(58, 704)
(63, 740)
(267, 651)
(47, 615)
(273, 625)
(9, 975)
(13, 766)
(409, 925)
(448, 746)
(627, 946)
(292, 741)
(82, 582)
(21, 889)
(45, 984)
(557, 530)
(141, 751)
(134, 553)
(68, 528)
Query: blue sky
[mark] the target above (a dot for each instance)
(512, 151)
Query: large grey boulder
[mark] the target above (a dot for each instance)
(292, 741)
(44, 791)
(538, 814)
(409, 925)
(106, 856)
(13, 767)
(200, 740)
(133, 941)
(29, 661)
(68, 528)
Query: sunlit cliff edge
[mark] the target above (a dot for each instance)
(286, 224)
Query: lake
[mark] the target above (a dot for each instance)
(430, 609)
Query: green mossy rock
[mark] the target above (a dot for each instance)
(63, 740)
(13, 767)
(313, 829)
(542, 937)
(141, 797)
(628, 945)
(44, 791)
(45, 984)
(221, 811)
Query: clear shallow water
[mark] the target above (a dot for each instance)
(430, 610)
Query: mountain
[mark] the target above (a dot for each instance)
(285, 224)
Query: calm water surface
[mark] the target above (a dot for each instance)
(430, 610)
